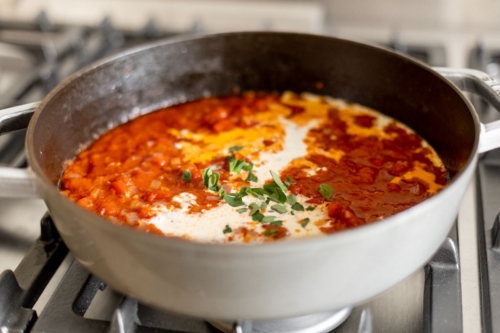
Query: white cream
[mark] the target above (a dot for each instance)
(208, 226)
(293, 148)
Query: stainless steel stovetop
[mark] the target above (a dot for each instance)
(50, 292)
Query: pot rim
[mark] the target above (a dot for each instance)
(343, 236)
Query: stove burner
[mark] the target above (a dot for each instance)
(316, 323)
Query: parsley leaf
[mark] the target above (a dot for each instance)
(297, 206)
(278, 196)
(235, 148)
(256, 192)
(227, 230)
(263, 205)
(304, 222)
(252, 178)
(270, 188)
(277, 222)
(235, 165)
(244, 191)
(279, 208)
(267, 219)
(242, 210)
(278, 181)
(291, 199)
(270, 233)
(234, 200)
(186, 175)
(289, 180)
(248, 166)
(326, 191)
(254, 208)
(211, 179)
(257, 217)
(310, 208)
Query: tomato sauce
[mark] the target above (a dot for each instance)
(373, 169)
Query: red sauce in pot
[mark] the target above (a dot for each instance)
(374, 169)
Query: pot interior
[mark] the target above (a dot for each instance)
(170, 72)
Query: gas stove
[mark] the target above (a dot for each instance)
(51, 292)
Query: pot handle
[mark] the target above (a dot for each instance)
(482, 84)
(15, 182)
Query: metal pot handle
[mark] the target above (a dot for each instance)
(482, 84)
(15, 182)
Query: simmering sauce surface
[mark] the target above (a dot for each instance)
(254, 168)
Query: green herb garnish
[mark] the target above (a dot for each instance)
(278, 181)
(310, 208)
(227, 230)
(248, 166)
(297, 206)
(235, 148)
(268, 219)
(254, 208)
(257, 217)
(278, 196)
(277, 222)
(236, 166)
(291, 199)
(233, 199)
(256, 192)
(279, 208)
(304, 222)
(211, 179)
(252, 178)
(242, 210)
(326, 191)
(263, 205)
(270, 233)
(186, 175)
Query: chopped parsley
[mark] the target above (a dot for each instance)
(297, 206)
(252, 178)
(310, 208)
(242, 210)
(256, 192)
(257, 217)
(277, 196)
(268, 219)
(227, 230)
(326, 191)
(279, 208)
(235, 148)
(291, 199)
(254, 208)
(270, 233)
(211, 179)
(263, 205)
(304, 222)
(186, 175)
(278, 181)
(233, 199)
(276, 222)
(236, 166)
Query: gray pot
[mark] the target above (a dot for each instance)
(282, 279)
